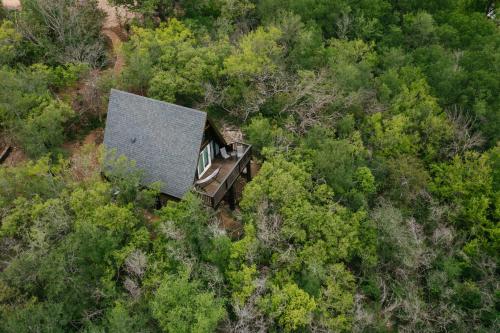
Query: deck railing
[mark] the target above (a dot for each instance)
(229, 178)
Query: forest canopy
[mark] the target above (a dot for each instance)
(375, 125)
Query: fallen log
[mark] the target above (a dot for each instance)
(5, 153)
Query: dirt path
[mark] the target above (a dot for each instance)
(84, 155)
(116, 15)
(113, 29)
(233, 227)
(116, 42)
(11, 4)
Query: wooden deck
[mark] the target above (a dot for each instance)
(230, 169)
(226, 166)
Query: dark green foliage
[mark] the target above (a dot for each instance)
(29, 113)
(340, 162)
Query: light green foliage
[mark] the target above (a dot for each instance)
(467, 184)
(365, 180)
(277, 178)
(60, 77)
(62, 234)
(18, 220)
(168, 63)
(393, 136)
(253, 65)
(308, 211)
(179, 306)
(85, 202)
(257, 53)
(313, 232)
(336, 304)
(290, 305)
(9, 42)
(425, 116)
(416, 123)
(245, 248)
(34, 179)
(120, 320)
(242, 283)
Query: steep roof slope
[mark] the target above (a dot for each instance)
(164, 139)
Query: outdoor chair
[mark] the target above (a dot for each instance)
(224, 153)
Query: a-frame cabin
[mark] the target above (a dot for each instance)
(178, 146)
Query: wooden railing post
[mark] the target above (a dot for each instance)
(231, 197)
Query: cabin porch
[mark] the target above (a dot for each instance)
(229, 170)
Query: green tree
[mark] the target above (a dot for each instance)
(291, 306)
(9, 42)
(168, 63)
(467, 183)
(336, 304)
(179, 306)
(43, 130)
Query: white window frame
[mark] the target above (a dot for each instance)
(202, 158)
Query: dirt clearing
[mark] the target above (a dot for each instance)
(12, 4)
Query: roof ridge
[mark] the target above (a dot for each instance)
(113, 90)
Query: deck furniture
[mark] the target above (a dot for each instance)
(231, 168)
(208, 178)
(224, 153)
(239, 150)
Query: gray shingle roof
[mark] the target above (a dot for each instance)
(164, 139)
